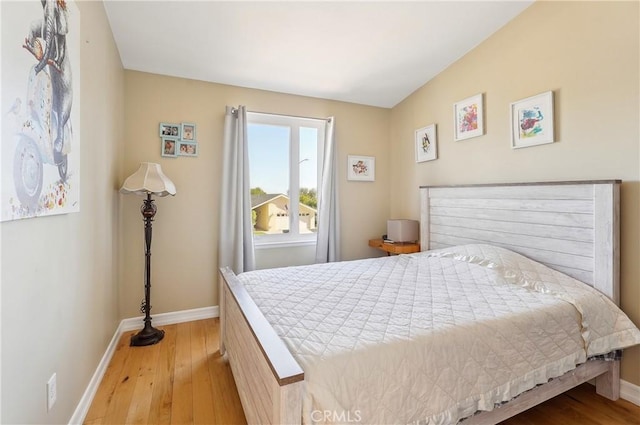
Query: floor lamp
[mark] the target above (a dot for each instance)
(148, 180)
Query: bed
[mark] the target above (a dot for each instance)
(570, 227)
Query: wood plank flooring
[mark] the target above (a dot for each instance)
(184, 380)
(181, 380)
(580, 405)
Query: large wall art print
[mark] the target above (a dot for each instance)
(40, 100)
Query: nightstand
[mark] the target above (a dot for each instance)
(396, 247)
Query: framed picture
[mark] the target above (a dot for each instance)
(532, 121)
(426, 144)
(188, 132)
(468, 118)
(41, 175)
(169, 147)
(187, 149)
(361, 168)
(169, 130)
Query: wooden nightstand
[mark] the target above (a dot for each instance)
(395, 248)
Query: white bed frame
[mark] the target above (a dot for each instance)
(569, 226)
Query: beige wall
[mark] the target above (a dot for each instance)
(185, 238)
(588, 54)
(59, 276)
(60, 311)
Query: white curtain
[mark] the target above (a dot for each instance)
(328, 242)
(236, 233)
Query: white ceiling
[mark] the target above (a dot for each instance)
(373, 53)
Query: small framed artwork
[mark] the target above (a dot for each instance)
(532, 121)
(468, 118)
(188, 132)
(169, 130)
(426, 144)
(169, 147)
(188, 149)
(361, 168)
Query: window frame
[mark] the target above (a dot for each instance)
(293, 237)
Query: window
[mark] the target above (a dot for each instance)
(285, 161)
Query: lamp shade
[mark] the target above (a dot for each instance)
(148, 179)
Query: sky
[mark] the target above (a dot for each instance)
(269, 157)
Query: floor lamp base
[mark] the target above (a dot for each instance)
(148, 336)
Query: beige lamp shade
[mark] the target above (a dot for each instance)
(148, 179)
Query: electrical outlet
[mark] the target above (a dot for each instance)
(52, 392)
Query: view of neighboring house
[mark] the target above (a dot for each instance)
(272, 214)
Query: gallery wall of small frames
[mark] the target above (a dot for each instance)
(178, 140)
(531, 124)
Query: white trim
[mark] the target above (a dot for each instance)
(284, 244)
(294, 124)
(630, 392)
(85, 402)
(171, 318)
(127, 325)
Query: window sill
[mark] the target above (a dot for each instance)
(283, 244)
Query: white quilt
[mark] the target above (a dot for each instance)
(431, 338)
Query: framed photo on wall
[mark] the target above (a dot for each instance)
(532, 121)
(426, 144)
(170, 130)
(468, 118)
(169, 147)
(188, 132)
(187, 149)
(361, 168)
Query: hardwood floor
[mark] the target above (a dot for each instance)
(581, 405)
(183, 380)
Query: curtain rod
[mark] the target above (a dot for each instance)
(235, 110)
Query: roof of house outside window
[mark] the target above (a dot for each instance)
(265, 198)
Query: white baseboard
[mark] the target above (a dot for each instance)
(90, 392)
(630, 392)
(128, 325)
(171, 318)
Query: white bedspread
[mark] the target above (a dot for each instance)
(432, 337)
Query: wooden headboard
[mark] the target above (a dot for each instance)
(572, 227)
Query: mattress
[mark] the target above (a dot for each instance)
(431, 338)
